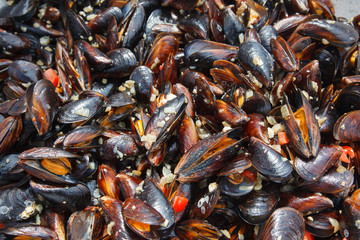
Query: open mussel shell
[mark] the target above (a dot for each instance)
(305, 202)
(285, 222)
(42, 104)
(257, 206)
(50, 164)
(18, 204)
(304, 137)
(312, 169)
(86, 224)
(21, 10)
(269, 162)
(346, 128)
(208, 156)
(69, 198)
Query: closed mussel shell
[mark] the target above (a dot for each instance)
(208, 156)
(257, 206)
(42, 104)
(18, 204)
(68, 198)
(314, 168)
(347, 128)
(350, 215)
(269, 162)
(323, 224)
(285, 222)
(305, 202)
(334, 32)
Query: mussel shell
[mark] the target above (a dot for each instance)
(312, 169)
(113, 210)
(257, 206)
(107, 181)
(267, 33)
(9, 171)
(119, 147)
(196, 229)
(81, 110)
(81, 138)
(349, 217)
(25, 71)
(127, 184)
(294, 133)
(169, 114)
(236, 184)
(335, 32)
(204, 204)
(86, 224)
(124, 62)
(30, 231)
(144, 80)
(97, 59)
(323, 224)
(285, 222)
(78, 29)
(194, 166)
(269, 162)
(42, 104)
(10, 130)
(18, 204)
(232, 27)
(202, 53)
(349, 98)
(305, 202)
(135, 28)
(155, 197)
(70, 198)
(335, 181)
(346, 128)
(98, 24)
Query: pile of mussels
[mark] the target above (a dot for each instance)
(179, 119)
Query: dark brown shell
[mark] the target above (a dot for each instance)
(347, 128)
(285, 222)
